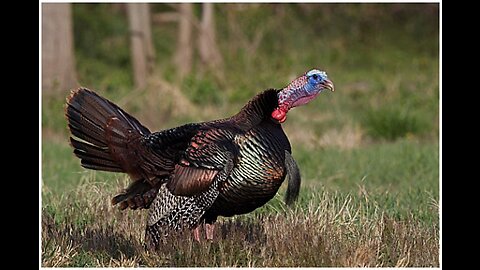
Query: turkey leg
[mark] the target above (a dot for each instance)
(209, 229)
(196, 233)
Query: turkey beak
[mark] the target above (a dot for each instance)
(328, 85)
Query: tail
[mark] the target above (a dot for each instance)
(101, 131)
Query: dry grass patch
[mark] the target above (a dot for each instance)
(82, 229)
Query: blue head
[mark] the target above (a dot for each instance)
(301, 91)
(317, 81)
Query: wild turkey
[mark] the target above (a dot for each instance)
(191, 174)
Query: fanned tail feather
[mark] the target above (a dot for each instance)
(100, 129)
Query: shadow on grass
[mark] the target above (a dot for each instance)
(67, 243)
(250, 231)
(88, 241)
(105, 240)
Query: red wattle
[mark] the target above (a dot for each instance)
(280, 115)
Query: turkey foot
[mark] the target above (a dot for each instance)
(209, 229)
(196, 233)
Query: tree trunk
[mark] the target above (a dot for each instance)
(142, 51)
(183, 55)
(58, 59)
(207, 44)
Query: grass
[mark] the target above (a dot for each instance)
(368, 153)
(332, 230)
(381, 209)
(338, 230)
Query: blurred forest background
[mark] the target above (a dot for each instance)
(170, 64)
(165, 61)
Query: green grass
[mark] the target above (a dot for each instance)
(402, 176)
(368, 152)
(404, 173)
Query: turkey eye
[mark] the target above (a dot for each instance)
(315, 76)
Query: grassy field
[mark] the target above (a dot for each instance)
(378, 208)
(368, 153)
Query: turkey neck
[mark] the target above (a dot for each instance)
(258, 109)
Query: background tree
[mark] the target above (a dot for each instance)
(58, 59)
(142, 51)
(183, 55)
(207, 44)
